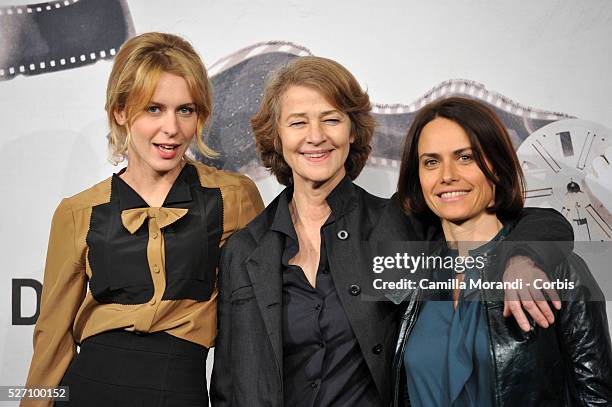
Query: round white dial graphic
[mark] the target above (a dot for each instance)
(567, 166)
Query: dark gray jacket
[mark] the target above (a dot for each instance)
(248, 369)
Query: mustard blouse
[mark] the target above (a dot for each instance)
(113, 262)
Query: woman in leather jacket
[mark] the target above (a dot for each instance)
(455, 348)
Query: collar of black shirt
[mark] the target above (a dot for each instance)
(180, 191)
(341, 200)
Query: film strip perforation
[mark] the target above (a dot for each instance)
(470, 88)
(35, 8)
(51, 64)
(62, 52)
(383, 162)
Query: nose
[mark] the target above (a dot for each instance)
(449, 172)
(170, 124)
(316, 134)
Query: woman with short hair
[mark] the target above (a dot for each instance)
(455, 348)
(292, 328)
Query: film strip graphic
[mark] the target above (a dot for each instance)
(262, 48)
(66, 34)
(239, 80)
(394, 120)
(54, 36)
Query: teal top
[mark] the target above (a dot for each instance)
(447, 355)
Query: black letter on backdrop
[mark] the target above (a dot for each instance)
(18, 284)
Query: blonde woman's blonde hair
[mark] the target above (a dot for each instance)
(134, 77)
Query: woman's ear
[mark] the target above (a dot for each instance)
(492, 203)
(120, 117)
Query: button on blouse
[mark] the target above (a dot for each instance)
(322, 361)
(113, 262)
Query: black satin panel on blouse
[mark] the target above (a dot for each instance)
(118, 259)
(192, 245)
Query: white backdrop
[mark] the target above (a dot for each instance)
(550, 54)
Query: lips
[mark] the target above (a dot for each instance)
(315, 156)
(167, 151)
(166, 147)
(452, 194)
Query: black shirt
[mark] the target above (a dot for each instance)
(322, 361)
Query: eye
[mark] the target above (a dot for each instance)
(297, 125)
(332, 121)
(186, 110)
(465, 158)
(430, 162)
(153, 109)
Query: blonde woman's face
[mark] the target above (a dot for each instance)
(161, 134)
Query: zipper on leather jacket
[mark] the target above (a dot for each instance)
(398, 367)
(496, 395)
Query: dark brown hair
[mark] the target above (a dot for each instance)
(341, 90)
(490, 142)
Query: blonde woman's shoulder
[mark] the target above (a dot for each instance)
(211, 177)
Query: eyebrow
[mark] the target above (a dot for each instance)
(162, 104)
(325, 113)
(456, 152)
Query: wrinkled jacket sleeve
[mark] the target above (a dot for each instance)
(221, 390)
(63, 291)
(396, 225)
(541, 225)
(585, 339)
(533, 225)
(221, 383)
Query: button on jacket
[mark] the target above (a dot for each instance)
(248, 368)
(322, 362)
(113, 262)
(249, 353)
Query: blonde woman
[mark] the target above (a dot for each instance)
(131, 264)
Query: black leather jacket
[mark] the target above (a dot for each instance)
(568, 364)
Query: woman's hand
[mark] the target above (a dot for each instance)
(529, 298)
